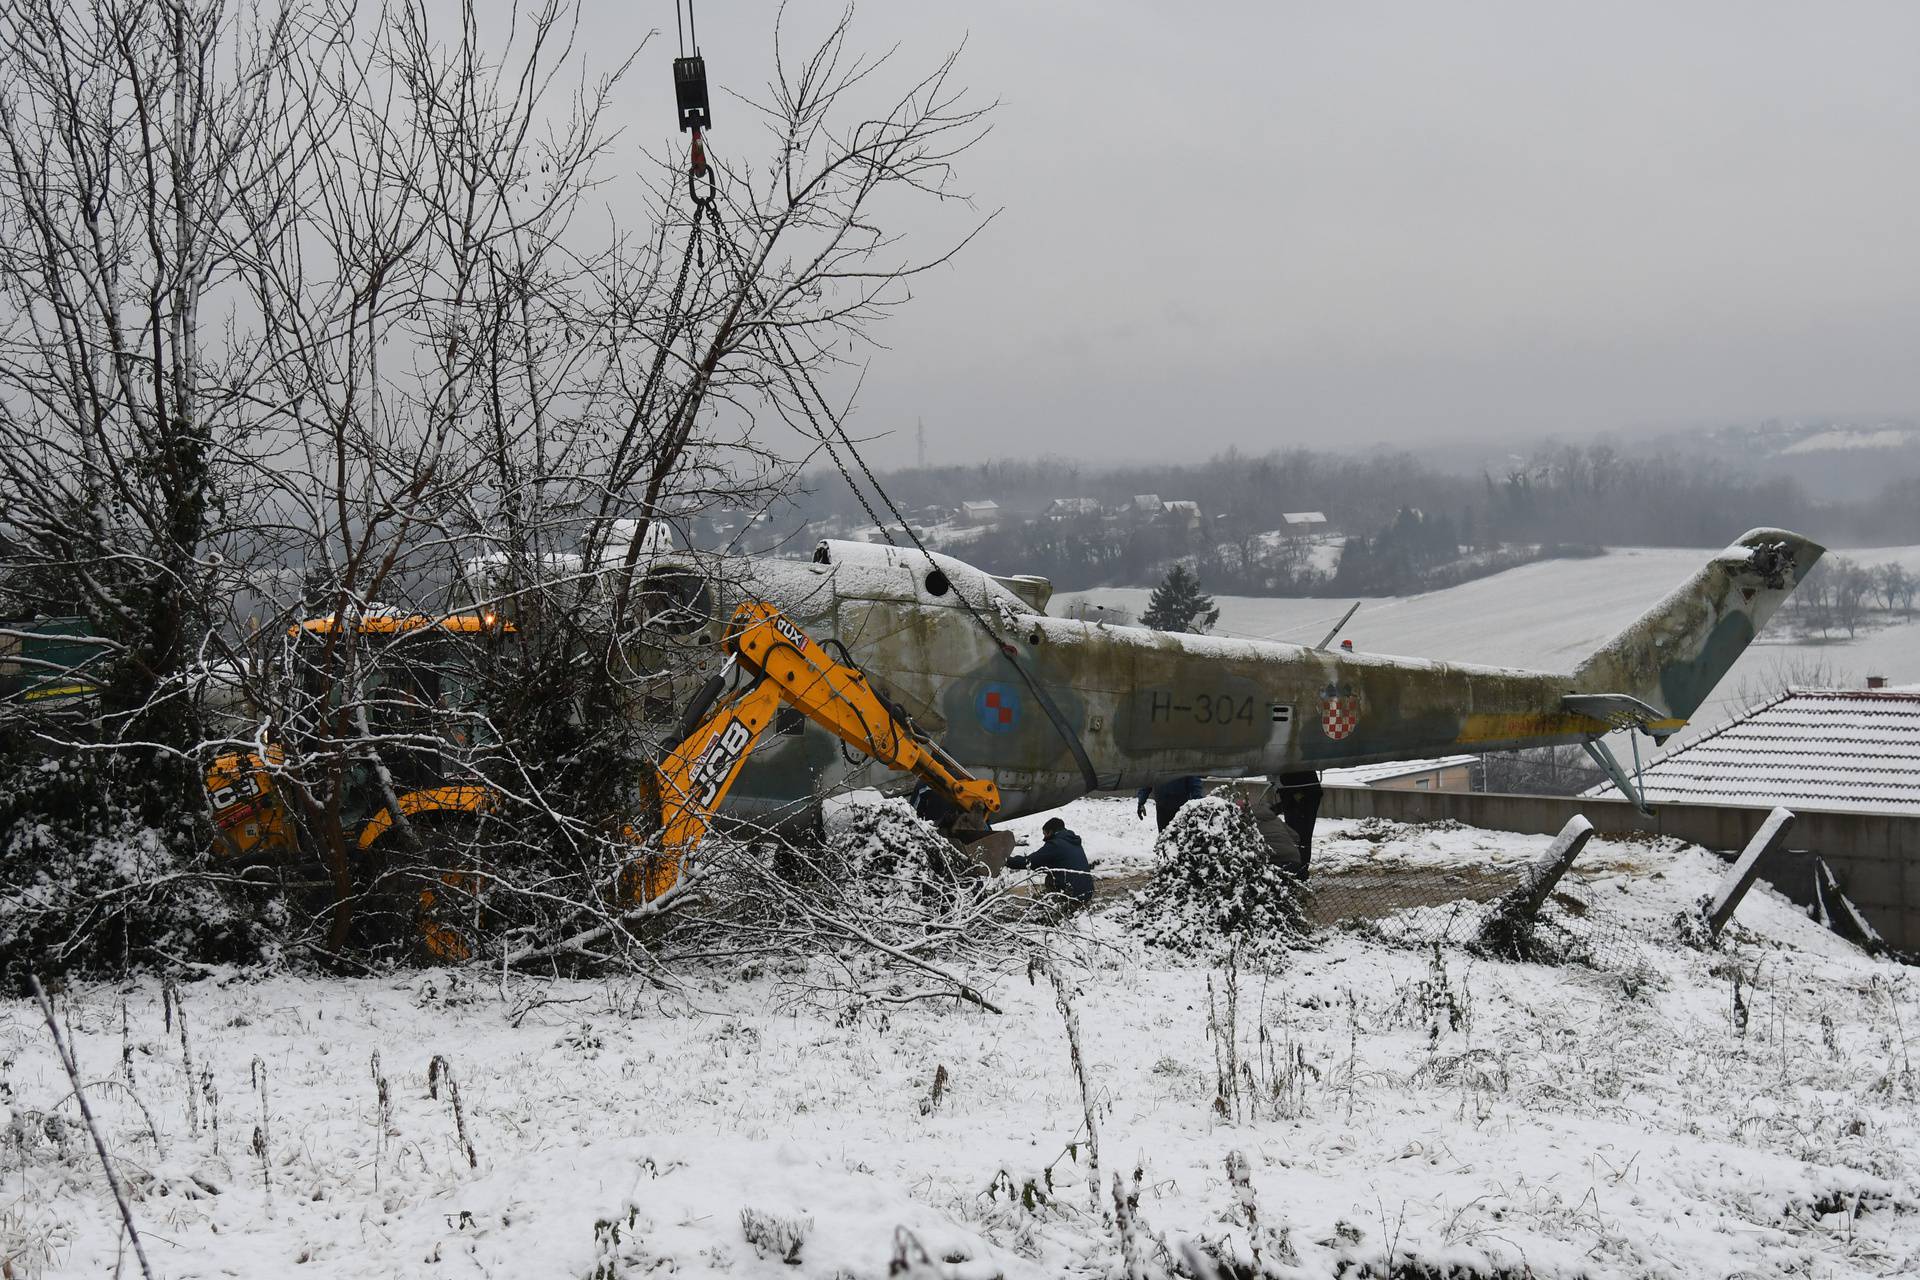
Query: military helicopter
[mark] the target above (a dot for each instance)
(1051, 709)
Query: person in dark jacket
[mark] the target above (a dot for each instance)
(1298, 803)
(1167, 798)
(1061, 856)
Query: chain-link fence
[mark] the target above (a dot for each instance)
(1514, 896)
(1511, 897)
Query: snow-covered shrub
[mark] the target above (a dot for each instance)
(1693, 926)
(883, 852)
(88, 883)
(877, 910)
(1215, 884)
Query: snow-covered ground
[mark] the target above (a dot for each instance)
(1395, 1103)
(1550, 615)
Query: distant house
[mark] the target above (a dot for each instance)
(1147, 503)
(1062, 508)
(1304, 522)
(985, 512)
(1187, 513)
(1448, 773)
(1850, 749)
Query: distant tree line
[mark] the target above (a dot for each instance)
(1558, 499)
(1841, 594)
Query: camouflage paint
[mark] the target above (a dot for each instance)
(1150, 705)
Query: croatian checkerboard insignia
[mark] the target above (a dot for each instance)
(1339, 710)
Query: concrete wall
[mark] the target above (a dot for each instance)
(1872, 855)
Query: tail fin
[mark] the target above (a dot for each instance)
(1674, 656)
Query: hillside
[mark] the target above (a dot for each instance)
(1656, 1111)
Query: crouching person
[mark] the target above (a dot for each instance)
(1061, 856)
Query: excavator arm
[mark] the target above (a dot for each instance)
(784, 665)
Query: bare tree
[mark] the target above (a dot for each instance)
(582, 395)
(1893, 584)
(129, 383)
(1811, 607)
(1851, 586)
(1798, 671)
(1543, 771)
(128, 129)
(317, 342)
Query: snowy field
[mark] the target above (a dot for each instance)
(1550, 615)
(1672, 1113)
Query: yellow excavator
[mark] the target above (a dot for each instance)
(419, 692)
(771, 663)
(784, 665)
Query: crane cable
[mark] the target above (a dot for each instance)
(695, 112)
(1005, 648)
(695, 117)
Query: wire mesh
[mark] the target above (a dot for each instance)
(1380, 879)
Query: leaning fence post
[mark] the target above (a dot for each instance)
(1543, 875)
(1839, 914)
(1510, 923)
(1718, 909)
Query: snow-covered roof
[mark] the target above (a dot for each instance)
(1146, 501)
(1181, 505)
(1304, 517)
(1814, 748)
(1365, 775)
(987, 504)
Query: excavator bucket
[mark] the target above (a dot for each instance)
(986, 855)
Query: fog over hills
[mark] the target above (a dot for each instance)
(1830, 458)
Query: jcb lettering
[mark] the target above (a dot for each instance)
(717, 761)
(242, 788)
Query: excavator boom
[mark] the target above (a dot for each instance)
(784, 665)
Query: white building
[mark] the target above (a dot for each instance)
(1849, 749)
(1182, 512)
(1448, 773)
(1061, 508)
(984, 512)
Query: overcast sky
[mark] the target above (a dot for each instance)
(1269, 224)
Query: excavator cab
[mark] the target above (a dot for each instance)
(408, 684)
(420, 684)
